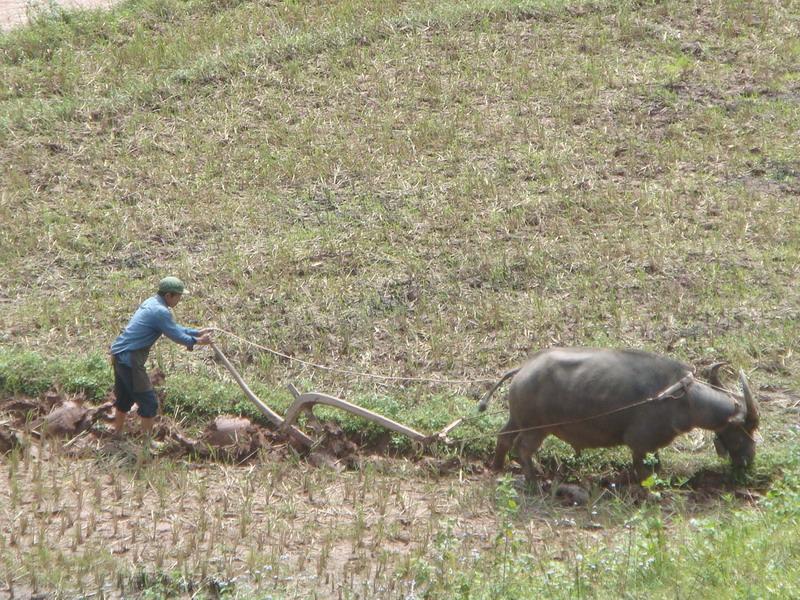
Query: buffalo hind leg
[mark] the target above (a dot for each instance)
(505, 439)
(527, 444)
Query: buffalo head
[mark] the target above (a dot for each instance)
(737, 438)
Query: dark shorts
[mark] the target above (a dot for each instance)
(132, 386)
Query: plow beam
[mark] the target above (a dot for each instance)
(308, 400)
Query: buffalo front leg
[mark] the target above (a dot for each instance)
(641, 470)
(505, 439)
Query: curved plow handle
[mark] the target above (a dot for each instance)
(274, 418)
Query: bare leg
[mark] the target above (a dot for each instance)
(526, 446)
(119, 421)
(504, 443)
(147, 425)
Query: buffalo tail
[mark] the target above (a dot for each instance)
(488, 395)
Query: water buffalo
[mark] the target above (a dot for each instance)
(598, 398)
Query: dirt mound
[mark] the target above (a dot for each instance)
(26, 409)
(712, 483)
(9, 439)
(229, 438)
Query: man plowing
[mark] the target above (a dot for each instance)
(129, 352)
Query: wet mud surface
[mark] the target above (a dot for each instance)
(234, 489)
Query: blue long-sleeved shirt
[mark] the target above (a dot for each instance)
(152, 319)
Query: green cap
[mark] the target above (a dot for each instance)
(171, 285)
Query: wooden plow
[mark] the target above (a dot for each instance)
(306, 402)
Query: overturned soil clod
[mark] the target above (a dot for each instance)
(9, 439)
(71, 417)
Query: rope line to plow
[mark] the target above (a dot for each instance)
(665, 394)
(349, 371)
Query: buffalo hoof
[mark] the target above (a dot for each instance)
(571, 495)
(440, 467)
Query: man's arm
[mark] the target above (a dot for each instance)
(179, 334)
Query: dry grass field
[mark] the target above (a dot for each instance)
(413, 189)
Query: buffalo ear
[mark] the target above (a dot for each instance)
(740, 416)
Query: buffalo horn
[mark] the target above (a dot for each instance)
(713, 374)
(750, 400)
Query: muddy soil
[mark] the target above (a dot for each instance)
(83, 429)
(237, 504)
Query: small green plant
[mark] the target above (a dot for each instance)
(506, 538)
